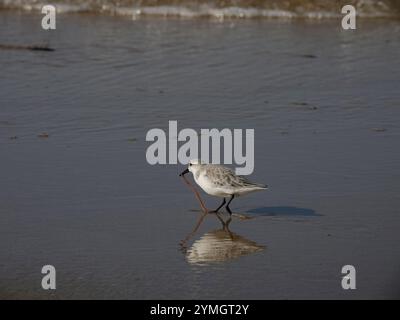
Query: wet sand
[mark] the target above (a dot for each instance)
(76, 190)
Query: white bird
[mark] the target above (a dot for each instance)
(221, 181)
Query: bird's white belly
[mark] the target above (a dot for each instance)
(210, 188)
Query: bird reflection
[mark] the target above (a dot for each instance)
(217, 246)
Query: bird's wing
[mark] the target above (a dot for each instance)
(247, 183)
(219, 174)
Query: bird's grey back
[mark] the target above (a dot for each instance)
(223, 176)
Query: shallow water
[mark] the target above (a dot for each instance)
(324, 104)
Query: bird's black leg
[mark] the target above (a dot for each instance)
(227, 206)
(222, 204)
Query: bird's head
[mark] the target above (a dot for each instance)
(193, 166)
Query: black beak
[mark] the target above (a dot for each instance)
(184, 172)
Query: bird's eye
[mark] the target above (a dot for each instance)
(190, 164)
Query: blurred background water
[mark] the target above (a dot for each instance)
(219, 9)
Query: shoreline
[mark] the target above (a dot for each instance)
(213, 14)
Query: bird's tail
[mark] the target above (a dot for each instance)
(261, 186)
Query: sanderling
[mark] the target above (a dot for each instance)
(221, 181)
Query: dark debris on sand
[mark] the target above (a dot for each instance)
(25, 47)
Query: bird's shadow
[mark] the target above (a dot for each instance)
(284, 211)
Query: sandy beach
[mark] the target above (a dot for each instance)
(77, 192)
